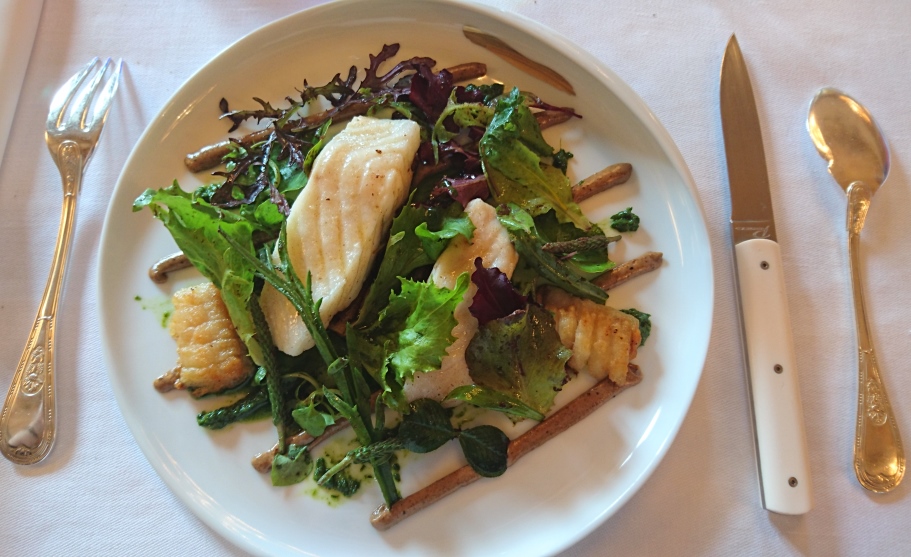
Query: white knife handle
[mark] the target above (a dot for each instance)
(781, 443)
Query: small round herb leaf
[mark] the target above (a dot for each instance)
(311, 419)
(485, 449)
(426, 428)
(293, 467)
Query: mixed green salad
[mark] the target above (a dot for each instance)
(478, 141)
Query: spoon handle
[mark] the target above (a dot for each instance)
(879, 458)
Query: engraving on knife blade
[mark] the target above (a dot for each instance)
(755, 228)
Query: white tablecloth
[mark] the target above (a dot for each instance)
(97, 495)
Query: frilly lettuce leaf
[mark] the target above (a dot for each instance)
(411, 335)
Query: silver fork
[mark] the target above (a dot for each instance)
(77, 114)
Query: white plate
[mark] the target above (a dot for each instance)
(548, 500)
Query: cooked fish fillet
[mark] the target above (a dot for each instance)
(339, 221)
(210, 355)
(603, 339)
(490, 242)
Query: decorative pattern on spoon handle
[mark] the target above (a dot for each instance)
(879, 457)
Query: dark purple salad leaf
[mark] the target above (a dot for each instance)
(430, 91)
(463, 190)
(496, 298)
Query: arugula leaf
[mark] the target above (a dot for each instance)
(405, 252)
(625, 221)
(483, 397)
(200, 231)
(511, 152)
(463, 115)
(645, 322)
(521, 356)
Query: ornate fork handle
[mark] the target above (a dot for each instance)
(28, 422)
(879, 458)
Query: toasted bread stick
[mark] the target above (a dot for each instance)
(629, 269)
(386, 517)
(613, 175)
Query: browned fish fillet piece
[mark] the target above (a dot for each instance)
(210, 156)
(386, 517)
(603, 339)
(613, 175)
(630, 269)
(210, 355)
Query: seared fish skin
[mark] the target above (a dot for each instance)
(603, 339)
(210, 356)
(340, 220)
(490, 242)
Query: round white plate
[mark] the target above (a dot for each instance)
(548, 500)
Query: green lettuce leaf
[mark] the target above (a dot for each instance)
(197, 228)
(411, 335)
(417, 237)
(511, 151)
(435, 242)
(520, 356)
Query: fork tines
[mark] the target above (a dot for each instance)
(84, 100)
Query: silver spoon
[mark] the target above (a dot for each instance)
(846, 135)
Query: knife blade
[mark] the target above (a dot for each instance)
(768, 345)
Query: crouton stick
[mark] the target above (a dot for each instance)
(613, 175)
(262, 462)
(550, 118)
(629, 269)
(385, 517)
(174, 262)
(211, 155)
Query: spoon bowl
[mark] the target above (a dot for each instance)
(847, 137)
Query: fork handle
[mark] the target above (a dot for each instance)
(28, 420)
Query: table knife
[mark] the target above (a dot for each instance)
(768, 345)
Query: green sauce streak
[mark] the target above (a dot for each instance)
(163, 308)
